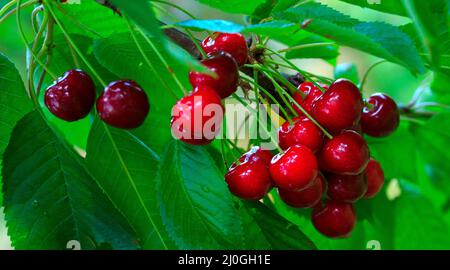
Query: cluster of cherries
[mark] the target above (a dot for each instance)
(225, 54)
(328, 174)
(123, 103)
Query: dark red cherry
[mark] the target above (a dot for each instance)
(197, 117)
(250, 178)
(295, 169)
(346, 153)
(301, 131)
(375, 178)
(312, 94)
(72, 96)
(265, 154)
(339, 107)
(233, 44)
(123, 104)
(346, 188)
(307, 197)
(226, 69)
(334, 219)
(380, 116)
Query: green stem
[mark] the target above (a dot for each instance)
(7, 6)
(310, 45)
(11, 12)
(320, 78)
(366, 75)
(46, 48)
(34, 20)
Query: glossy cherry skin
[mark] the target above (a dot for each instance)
(234, 44)
(295, 169)
(307, 197)
(380, 117)
(339, 107)
(197, 117)
(72, 96)
(266, 155)
(346, 153)
(301, 131)
(123, 104)
(334, 219)
(375, 178)
(312, 94)
(226, 70)
(346, 188)
(250, 178)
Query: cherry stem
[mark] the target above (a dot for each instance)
(431, 104)
(11, 12)
(309, 45)
(366, 75)
(144, 55)
(311, 75)
(69, 39)
(46, 48)
(34, 19)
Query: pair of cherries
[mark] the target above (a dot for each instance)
(197, 117)
(123, 103)
(312, 167)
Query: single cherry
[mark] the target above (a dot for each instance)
(295, 169)
(304, 198)
(334, 219)
(233, 44)
(339, 107)
(250, 178)
(226, 70)
(380, 116)
(72, 96)
(312, 94)
(375, 178)
(301, 131)
(346, 153)
(197, 117)
(123, 104)
(346, 188)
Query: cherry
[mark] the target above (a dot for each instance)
(266, 155)
(72, 96)
(250, 178)
(305, 198)
(334, 219)
(339, 107)
(294, 169)
(233, 44)
(375, 178)
(346, 188)
(346, 153)
(312, 94)
(123, 104)
(226, 70)
(196, 118)
(380, 116)
(301, 131)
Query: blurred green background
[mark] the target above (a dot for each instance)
(399, 155)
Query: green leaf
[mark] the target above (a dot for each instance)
(51, 199)
(347, 71)
(196, 206)
(322, 52)
(277, 232)
(125, 168)
(390, 6)
(14, 103)
(376, 38)
(122, 57)
(234, 6)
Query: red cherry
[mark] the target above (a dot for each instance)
(346, 188)
(226, 70)
(375, 178)
(304, 198)
(334, 219)
(72, 96)
(346, 153)
(266, 155)
(339, 107)
(123, 104)
(380, 117)
(295, 169)
(312, 94)
(250, 179)
(301, 131)
(196, 118)
(233, 44)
